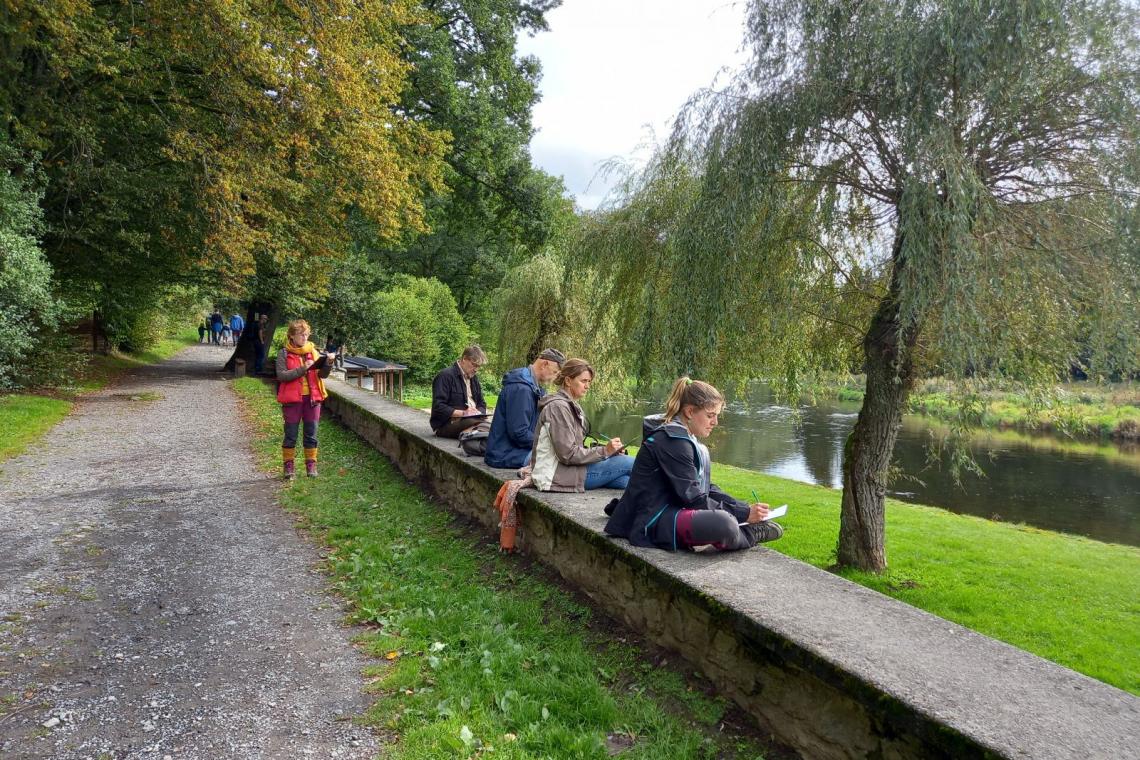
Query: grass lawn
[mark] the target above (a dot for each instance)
(26, 418)
(1068, 599)
(474, 650)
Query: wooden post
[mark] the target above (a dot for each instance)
(401, 386)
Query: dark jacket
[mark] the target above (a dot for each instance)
(666, 479)
(448, 393)
(512, 427)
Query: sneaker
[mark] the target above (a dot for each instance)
(290, 469)
(763, 532)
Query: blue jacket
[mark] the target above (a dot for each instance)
(237, 324)
(512, 428)
(670, 473)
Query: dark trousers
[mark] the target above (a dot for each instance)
(296, 414)
(699, 527)
(458, 425)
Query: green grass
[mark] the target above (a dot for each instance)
(473, 649)
(26, 418)
(1080, 409)
(1069, 599)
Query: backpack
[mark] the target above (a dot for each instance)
(473, 442)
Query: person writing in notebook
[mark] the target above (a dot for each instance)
(671, 502)
(456, 396)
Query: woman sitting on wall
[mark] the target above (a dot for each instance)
(561, 461)
(670, 501)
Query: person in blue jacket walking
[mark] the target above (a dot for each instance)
(512, 427)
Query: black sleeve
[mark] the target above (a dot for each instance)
(730, 503)
(477, 395)
(440, 408)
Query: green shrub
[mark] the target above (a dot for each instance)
(416, 323)
(28, 309)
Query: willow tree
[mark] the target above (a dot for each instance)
(939, 179)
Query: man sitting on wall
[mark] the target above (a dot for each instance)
(512, 429)
(456, 396)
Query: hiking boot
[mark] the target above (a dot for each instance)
(290, 469)
(311, 468)
(763, 532)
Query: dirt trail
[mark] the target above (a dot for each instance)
(155, 600)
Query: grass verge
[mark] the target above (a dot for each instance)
(1068, 599)
(26, 418)
(477, 653)
(103, 369)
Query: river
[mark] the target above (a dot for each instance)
(1086, 489)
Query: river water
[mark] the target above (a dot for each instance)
(1086, 489)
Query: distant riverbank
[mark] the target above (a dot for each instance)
(1080, 410)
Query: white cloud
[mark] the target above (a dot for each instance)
(616, 72)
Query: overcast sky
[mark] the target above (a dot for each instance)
(612, 70)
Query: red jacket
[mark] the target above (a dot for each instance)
(289, 391)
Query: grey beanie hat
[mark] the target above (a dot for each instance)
(553, 355)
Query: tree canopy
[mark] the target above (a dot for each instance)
(217, 142)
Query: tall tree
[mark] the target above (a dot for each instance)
(218, 140)
(960, 164)
(466, 78)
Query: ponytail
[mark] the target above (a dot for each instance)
(687, 391)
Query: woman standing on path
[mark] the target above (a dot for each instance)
(561, 462)
(300, 391)
(671, 502)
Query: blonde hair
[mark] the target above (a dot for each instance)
(689, 392)
(298, 326)
(571, 368)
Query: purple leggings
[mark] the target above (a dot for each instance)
(295, 414)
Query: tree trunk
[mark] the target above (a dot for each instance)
(245, 348)
(888, 350)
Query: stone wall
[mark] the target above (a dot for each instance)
(830, 668)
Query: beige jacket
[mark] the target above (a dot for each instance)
(559, 457)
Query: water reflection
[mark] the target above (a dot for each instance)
(1075, 488)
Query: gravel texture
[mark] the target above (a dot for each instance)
(155, 600)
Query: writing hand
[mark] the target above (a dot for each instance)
(757, 512)
(613, 446)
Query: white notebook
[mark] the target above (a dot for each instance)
(773, 513)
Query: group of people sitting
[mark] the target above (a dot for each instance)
(669, 500)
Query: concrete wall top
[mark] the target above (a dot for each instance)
(999, 697)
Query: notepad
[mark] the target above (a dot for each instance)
(773, 513)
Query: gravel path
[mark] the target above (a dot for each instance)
(156, 602)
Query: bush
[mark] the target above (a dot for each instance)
(29, 311)
(402, 324)
(448, 330)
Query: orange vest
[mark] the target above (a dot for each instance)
(290, 392)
